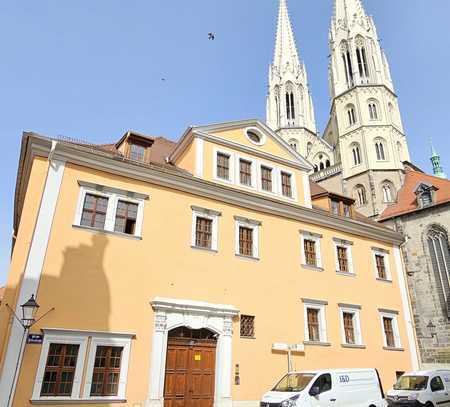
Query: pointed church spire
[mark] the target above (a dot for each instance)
(285, 46)
(436, 161)
(289, 102)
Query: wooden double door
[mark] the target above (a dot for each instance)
(190, 372)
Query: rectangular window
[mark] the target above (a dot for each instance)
(347, 210)
(266, 178)
(245, 172)
(203, 232)
(286, 184)
(245, 241)
(106, 374)
(247, 326)
(126, 216)
(223, 166)
(388, 325)
(137, 152)
(310, 252)
(313, 324)
(349, 329)
(335, 207)
(94, 211)
(381, 266)
(342, 259)
(60, 370)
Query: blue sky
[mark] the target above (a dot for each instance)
(91, 69)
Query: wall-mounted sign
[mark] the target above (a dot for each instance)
(35, 339)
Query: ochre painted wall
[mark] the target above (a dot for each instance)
(105, 282)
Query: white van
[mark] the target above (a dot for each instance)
(429, 388)
(324, 388)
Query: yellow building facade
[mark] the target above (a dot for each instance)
(173, 269)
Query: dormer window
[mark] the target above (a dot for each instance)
(137, 152)
(426, 198)
(425, 194)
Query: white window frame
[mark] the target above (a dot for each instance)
(231, 170)
(293, 184)
(385, 254)
(356, 312)
(114, 196)
(263, 137)
(198, 212)
(348, 245)
(394, 317)
(251, 224)
(304, 235)
(85, 362)
(108, 341)
(254, 170)
(321, 307)
(67, 339)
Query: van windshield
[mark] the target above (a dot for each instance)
(412, 383)
(294, 382)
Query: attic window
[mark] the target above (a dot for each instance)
(137, 152)
(255, 136)
(426, 198)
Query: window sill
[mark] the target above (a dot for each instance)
(384, 280)
(248, 337)
(353, 346)
(58, 401)
(313, 268)
(247, 257)
(204, 249)
(312, 343)
(393, 349)
(107, 232)
(341, 273)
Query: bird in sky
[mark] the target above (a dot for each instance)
(211, 36)
(163, 79)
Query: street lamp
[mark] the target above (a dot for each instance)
(432, 328)
(28, 311)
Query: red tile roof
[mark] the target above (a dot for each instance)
(407, 199)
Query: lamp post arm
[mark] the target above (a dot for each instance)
(15, 316)
(43, 316)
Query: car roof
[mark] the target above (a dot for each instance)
(333, 370)
(426, 372)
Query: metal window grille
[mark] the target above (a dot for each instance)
(342, 259)
(245, 171)
(266, 178)
(247, 326)
(106, 374)
(349, 328)
(313, 325)
(203, 232)
(389, 332)
(126, 216)
(59, 370)
(245, 241)
(94, 211)
(223, 166)
(381, 266)
(310, 252)
(286, 186)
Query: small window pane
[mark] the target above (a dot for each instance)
(94, 211)
(381, 266)
(245, 172)
(389, 332)
(223, 166)
(245, 241)
(203, 232)
(313, 324)
(126, 215)
(266, 178)
(310, 252)
(342, 259)
(349, 328)
(106, 374)
(137, 152)
(286, 186)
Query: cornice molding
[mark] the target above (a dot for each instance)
(174, 179)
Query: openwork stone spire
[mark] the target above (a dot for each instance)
(347, 11)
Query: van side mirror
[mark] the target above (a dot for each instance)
(314, 391)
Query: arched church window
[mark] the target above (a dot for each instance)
(380, 150)
(327, 163)
(356, 153)
(293, 143)
(438, 245)
(322, 166)
(316, 168)
(388, 192)
(351, 115)
(290, 103)
(309, 147)
(360, 195)
(347, 60)
(322, 159)
(373, 110)
(391, 111)
(361, 57)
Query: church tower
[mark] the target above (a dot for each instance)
(290, 110)
(365, 128)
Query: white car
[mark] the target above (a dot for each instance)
(325, 388)
(429, 388)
